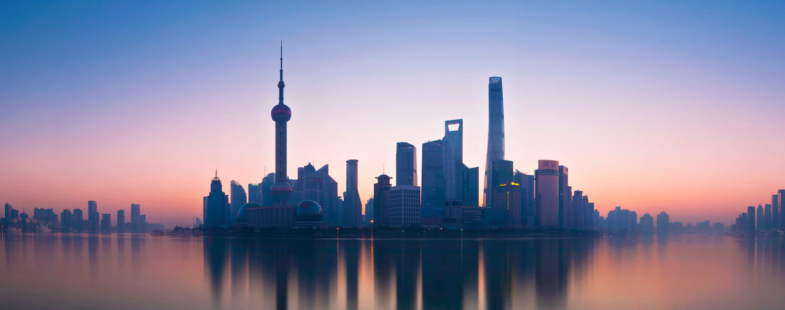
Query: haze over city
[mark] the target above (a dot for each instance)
(680, 110)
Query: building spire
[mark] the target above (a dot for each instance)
(216, 173)
(281, 84)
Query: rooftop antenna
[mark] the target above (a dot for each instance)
(216, 173)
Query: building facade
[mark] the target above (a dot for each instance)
(381, 201)
(352, 205)
(495, 133)
(433, 191)
(238, 199)
(404, 206)
(547, 178)
(452, 144)
(406, 164)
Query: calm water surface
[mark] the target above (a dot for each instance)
(62, 271)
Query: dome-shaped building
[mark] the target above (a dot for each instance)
(308, 214)
(242, 214)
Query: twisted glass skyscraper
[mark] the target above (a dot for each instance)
(495, 133)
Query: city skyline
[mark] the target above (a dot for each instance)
(615, 155)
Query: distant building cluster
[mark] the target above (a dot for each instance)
(763, 219)
(76, 221)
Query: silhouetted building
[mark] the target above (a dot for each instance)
(143, 222)
(65, 220)
(452, 144)
(663, 222)
(405, 164)
(775, 212)
(120, 221)
(368, 216)
(92, 214)
(282, 190)
(404, 205)
(760, 218)
(767, 216)
(751, 218)
(255, 192)
(507, 199)
(215, 214)
(381, 201)
(239, 199)
(319, 186)
(433, 191)
(501, 173)
(468, 180)
(547, 177)
(136, 213)
(106, 222)
(565, 199)
(352, 205)
(781, 201)
(495, 133)
(647, 224)
(528, 207)
(265, 196)
(77, 219)
(8, 209)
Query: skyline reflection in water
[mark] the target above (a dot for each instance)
(62, 271)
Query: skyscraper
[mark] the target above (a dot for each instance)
(368, 216)
(92, 215)
(77, 219)
(352, 206)
(266, 199)
(106, 223)
(433, 175)
(647, 223)
(120, 221)
(8, 208)
(468, 180)
(136, 213)
(767, 216)
(319, 186)
(281, 191)
(404, 206)
(405, 164)
(507, 199)
(781, 201)
(381, 201)
(775, 212)
(760, 218)
(452, 144)
(217, 203)
(254, 193)
(239, 199)
(577, 220)
(528, 211)
(65, 220)
(495, 132)
(565, 197)
(547, 176)
(663, 222)
(501, 173)
(751, 218)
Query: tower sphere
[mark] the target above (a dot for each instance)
(281, 113)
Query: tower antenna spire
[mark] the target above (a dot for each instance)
(216, 173)
(281, 60)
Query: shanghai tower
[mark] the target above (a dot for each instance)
(281, 190)
(495, 133)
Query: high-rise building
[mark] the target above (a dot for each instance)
(647, 223)
(368, 216)
(663, 222)
(352, 205)
(255, 193)
(8, 208)
(507, 199)
(767, 216)
(495, 133)
(120, 221)
(66, 220)
(282, 190)
(468, 185)
(528, 210)
(751, 218)
(404, 206)
(775, 212)
(452, 143)
(760, 218)
(589, 220)
(565, 198)
(781, 201)
(92, 215)
(501, 173)
(106, 222)
(264, 195)
(239, 199)
(547, 178)
(433, 191)
(318, 186)
(136, 212)
(77, 219)
(381, 201)
(217, 203)
(143, 219)
(405, 164)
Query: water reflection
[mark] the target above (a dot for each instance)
(674, 272)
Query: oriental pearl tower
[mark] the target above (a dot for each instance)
(281, 190)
